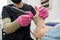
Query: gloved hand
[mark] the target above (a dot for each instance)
(42, 12)
(24, 20)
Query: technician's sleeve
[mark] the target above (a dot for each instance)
(5, 16)
(5, 13)
(8, 26)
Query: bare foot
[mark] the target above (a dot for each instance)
(41, 29)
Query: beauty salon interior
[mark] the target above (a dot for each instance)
(29, 19)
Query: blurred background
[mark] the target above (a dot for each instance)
(54, 11)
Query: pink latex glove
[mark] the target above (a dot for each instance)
(42, 12)
(29, 13)
(24, 20)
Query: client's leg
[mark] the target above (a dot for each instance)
(41, 29)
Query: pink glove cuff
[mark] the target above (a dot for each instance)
(19, 21)
(30, 13)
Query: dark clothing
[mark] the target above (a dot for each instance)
(23, 33)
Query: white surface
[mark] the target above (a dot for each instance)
(57, 26)
(33, 26)
(54, 13)
(2, 3)
(33, 2)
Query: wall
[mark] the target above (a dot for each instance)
(2, 3)
(54, 13)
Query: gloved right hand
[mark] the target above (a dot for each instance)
(24, 20)
(42, 12)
